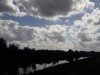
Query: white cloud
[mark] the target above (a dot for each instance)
(84, 35)
(49, 37)
(89, 31)
(79, 5)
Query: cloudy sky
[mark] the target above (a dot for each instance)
(51, 24)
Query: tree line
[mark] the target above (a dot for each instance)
(12, 57)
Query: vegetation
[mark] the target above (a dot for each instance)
(12, 57)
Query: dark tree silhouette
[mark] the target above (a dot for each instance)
(12, 57)
(76, 55)
(3, 44)
(70, 56)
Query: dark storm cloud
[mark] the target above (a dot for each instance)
(42, 8)
(47, 8)
(53, 7)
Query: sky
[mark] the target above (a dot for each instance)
(51, 24)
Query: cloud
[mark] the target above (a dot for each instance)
(47, 9)
(89, 31)
(48, 37)
(98, 22)
(53, 9)
(8, 7)
(83, 35)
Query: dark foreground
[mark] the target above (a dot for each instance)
(90, 66)
(12, 58)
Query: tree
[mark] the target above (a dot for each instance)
(3, 44)
(70, 56)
